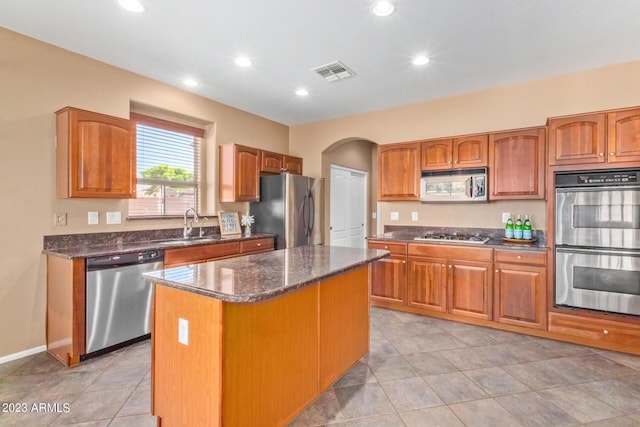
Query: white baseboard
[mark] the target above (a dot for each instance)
(21, 354)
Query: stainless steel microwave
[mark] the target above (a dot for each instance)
(454, 186)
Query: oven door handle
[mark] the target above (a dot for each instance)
(601, 251)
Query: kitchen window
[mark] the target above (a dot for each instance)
(168, 168)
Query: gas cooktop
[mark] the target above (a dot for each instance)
(454, 238)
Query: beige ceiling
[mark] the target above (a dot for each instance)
(473, 45)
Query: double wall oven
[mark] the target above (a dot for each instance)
(597, 243)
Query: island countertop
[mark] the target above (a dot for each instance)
(260, 277)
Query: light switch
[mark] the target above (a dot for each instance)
(374, 215)
(114, 218)
(414, 216)
(183, 331)
(395, 216)
(93, 218)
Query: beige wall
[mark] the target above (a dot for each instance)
(511, 107)
(36, 79)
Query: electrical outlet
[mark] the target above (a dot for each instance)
(374, 215)
(93, 218)
(395, 216)
(183, 331)
(505, 217)
(414, 216)
(114, 218)
(60, 218)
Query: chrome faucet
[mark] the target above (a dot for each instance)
(188, 228)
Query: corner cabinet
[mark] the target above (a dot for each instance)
(517, 164)
(399, 172)
(239, 173)
(95, 155)
(454, 153)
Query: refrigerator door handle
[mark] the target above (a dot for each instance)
(311, 213)
(304, 214)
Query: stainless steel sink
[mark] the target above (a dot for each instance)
(189, 241)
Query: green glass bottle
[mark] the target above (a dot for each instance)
(526, 229)
(508, 230)
(517, 230)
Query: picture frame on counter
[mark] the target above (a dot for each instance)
(229, 223)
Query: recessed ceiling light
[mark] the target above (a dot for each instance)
(383, 8)
(243, 61)
(302, 92)
(420, 60)
(131, 5)
(190, 82)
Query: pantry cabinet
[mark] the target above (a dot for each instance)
(95, 155)
(604, 137)
(517, 164)
(520, 288)
(399, 172)
(453, 153)
(389, 275)
(239, 173)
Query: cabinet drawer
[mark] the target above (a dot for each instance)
(257, 245)
(595, 329)
(199, 253)
(521, 257)
(451, 252)
(395, 248)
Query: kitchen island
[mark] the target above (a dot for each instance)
(253, 340)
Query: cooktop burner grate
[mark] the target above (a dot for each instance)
(454, 238)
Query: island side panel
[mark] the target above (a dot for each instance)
(270, 359)
(186, 378)
(344, 323)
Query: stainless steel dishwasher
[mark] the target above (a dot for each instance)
(118, 300)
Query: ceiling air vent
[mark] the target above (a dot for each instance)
(334, 71)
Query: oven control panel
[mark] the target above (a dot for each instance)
(597, 178)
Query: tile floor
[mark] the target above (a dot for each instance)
(420, 372)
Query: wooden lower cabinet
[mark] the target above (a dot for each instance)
(617, 335)
(451, 279)
(428, 283)
(389, 275)
(520, 295)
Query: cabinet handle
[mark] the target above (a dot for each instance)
(449, 162)
(455, 162)
(612, 154)
(404, 262)
(601, 154)
(497, 271)
(450, 266)
(606, 332)
(259, 244)
(386, 247)
(443, 265)
(519, 256)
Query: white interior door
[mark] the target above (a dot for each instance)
(348, 207)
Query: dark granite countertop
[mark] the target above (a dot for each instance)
(86, 250)
(496, 242)
(260, 277)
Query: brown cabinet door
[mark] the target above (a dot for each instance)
(270, 162)
(471, 151)
(470, 289)
(428, 283)
(436, 154)
(520, 295)
(399, 172)
(292, 164)
(517, 165)
(623, 136)
(389, 279)
(239, 173)
(577, 139)
(96, 155)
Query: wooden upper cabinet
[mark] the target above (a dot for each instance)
(270, 162)
(471, 151)
(436, 154)
(399, 171)
(623, 136)
(577, 139)
(239, 173)
(277, 163)
(292, 164)
(517, 164)
(95, 155)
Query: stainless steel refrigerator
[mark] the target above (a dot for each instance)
(291, 206)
